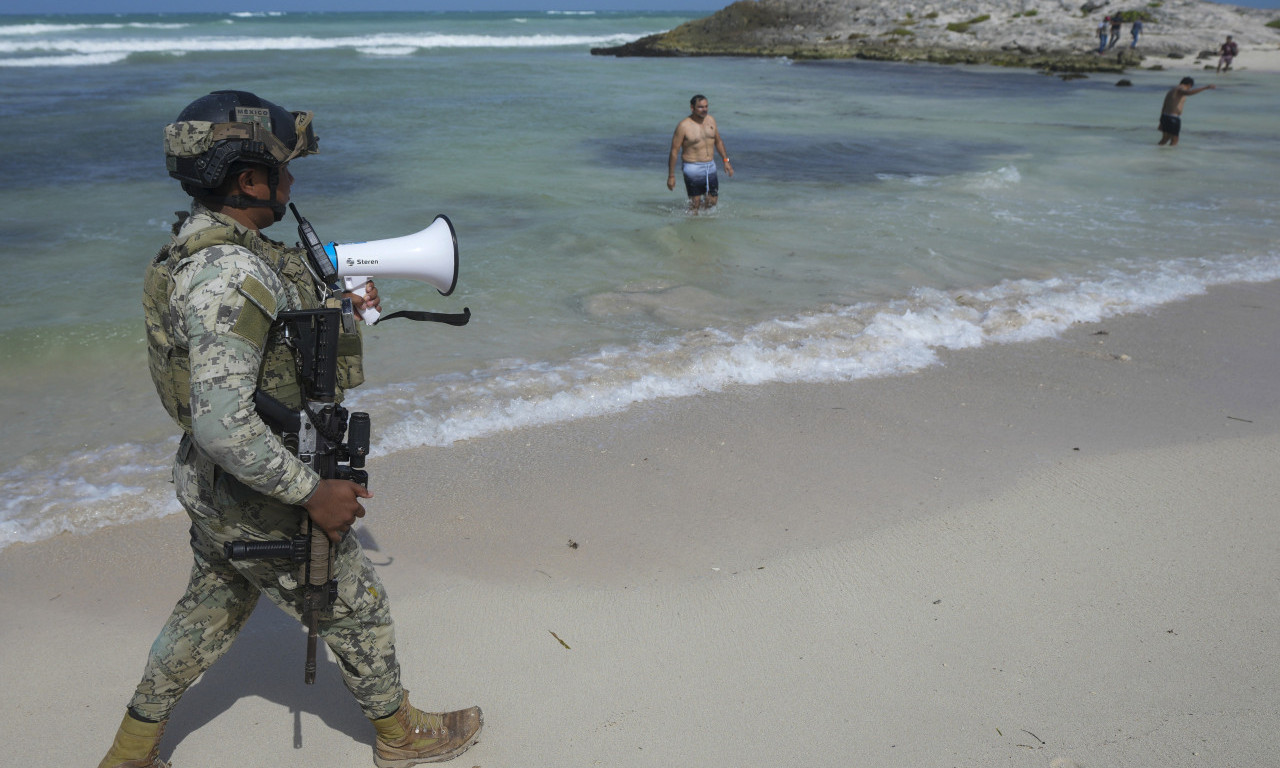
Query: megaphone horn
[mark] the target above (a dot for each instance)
(430, 255)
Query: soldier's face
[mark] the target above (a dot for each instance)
(256, 183)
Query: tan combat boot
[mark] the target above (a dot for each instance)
(411, 736)
(137, 745)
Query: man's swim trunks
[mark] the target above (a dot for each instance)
(700, 179)
(1171, 124)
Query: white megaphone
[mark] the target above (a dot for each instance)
(430, 256)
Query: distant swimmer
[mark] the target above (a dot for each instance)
(695, 143)
(1171, 112)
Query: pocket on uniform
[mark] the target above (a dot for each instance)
(359, 589)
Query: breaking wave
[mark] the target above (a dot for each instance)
(109, 486)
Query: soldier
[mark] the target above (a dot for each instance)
(211, 297)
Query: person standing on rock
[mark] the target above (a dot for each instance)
(1135, 30)
(1171, 112)
(695, 143)
(1102, 33)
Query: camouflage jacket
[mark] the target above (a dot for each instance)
(223, 301)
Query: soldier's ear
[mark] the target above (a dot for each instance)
(247, 179)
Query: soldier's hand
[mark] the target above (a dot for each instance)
(335, 506)
(370, 300)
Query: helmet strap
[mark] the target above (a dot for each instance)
(238, 200)
(273, 182)
(244, 201)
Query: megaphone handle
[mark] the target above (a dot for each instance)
(357, 284)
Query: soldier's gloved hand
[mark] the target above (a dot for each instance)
(335, 505)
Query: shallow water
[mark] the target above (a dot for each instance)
(879, 212)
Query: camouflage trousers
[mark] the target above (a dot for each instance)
(221, 594)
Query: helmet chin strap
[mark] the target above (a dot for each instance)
(273, 181)
(244, 201)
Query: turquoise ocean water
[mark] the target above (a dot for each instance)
(880, 212)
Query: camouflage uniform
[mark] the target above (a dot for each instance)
(237, 480)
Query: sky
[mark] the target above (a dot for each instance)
(188, 6)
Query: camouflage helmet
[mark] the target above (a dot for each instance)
(229, 129)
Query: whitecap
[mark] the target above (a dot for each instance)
(828, 345)
(72, 60)
(387, 50)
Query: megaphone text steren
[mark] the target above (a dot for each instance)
(430, 255)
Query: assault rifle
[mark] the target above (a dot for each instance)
(316, 434)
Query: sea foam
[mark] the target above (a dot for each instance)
(830, 345)
(121, 483)
(50, 29)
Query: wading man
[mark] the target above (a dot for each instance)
(211, 300)
(694, 145)
(1171, 112)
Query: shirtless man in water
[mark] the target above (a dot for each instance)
(696, 142)
(1171, 112)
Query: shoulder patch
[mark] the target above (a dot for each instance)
(253, 326)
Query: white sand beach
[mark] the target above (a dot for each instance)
(1260, 59)
(1060, 553)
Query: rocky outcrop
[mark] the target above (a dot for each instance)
(1056, 35)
